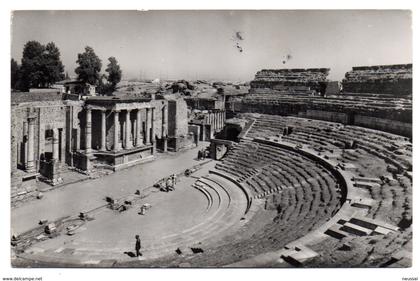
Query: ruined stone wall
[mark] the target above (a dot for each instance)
(389, 119)
(51, 117)
(285, 79)
(383, 79)
(18, 120)
(177, 118)
(76, 124)
(204, 104)
(382, 124)
(159, 105)
(331, 116)
(268, 107)
(48, 115)
(21, 97)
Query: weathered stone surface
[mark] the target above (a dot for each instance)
(381, 79)
(297, 79)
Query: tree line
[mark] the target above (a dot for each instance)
(41, 67)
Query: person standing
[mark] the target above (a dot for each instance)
(138, 245)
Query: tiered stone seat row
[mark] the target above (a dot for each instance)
(391, 194)
(355, 102)
(395, 150)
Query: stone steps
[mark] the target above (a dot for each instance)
(221, 218)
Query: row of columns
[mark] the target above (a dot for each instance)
(216, 119)
(126, 130)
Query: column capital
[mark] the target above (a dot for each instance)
(31, 120)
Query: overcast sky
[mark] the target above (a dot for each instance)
(202, 44)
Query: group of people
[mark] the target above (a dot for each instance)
(170, 183)
(202, 154)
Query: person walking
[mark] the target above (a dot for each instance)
(138, 245)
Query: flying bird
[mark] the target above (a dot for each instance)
(239, 48)
(238, 37)
(287, 58)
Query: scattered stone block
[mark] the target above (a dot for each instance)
(197, 250)
(364, 203)
(381, 230)
(50, 228)
(355, 229)
(335, 232)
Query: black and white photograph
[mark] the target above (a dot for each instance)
(277, 139)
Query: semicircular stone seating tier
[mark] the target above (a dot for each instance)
(225, 205)
(380, 167)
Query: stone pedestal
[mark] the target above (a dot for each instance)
(165, 144)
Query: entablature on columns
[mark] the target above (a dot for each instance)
(119, 106)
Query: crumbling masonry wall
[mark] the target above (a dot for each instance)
(282, 79)
(380, 79)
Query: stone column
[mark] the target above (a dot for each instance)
(30, 163)
(55, 177)
(127, 143)
(88, 131)
(147, 126)
(215, 120)
(165, 128)
(25, 144)
(116, 131)
(78, 138)
(164, 121)
(63, 145)
(123, 126)
(139, 137)
(223, 118)
(152, 119)
(103, 130)
(55, 145)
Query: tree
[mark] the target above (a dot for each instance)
(32, 62)
(114, 73)
(89, 67)
(14, 74)
(104, 88)
(41, 65)
(54, 69)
